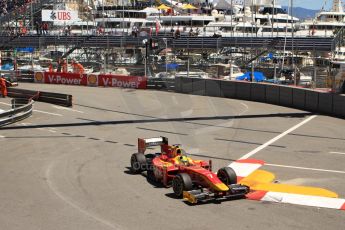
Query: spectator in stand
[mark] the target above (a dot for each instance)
(59, 62)
(50, 67)
(77, 67)
(64, 66)
(38, 28)
(7, 6)
(45, 28)
(177, 33)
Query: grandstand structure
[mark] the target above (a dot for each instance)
(27, 12)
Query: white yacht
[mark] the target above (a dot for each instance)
(326, 23)
(256, 18)
(183, 23)
(122, 21)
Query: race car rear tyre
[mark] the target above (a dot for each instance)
(182, 182)
(138, 162)
(227, 175)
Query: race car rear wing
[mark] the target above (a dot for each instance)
(143, 143)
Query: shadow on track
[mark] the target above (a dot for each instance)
(157, 120)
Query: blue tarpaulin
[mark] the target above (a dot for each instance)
(258, 76)
(26, 49)
(7, 67)
(172, 66)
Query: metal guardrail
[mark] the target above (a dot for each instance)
(161, 83)
(53, 98)
(18, 112)
(107, 41)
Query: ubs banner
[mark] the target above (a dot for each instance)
(59, 16)
(91, 80)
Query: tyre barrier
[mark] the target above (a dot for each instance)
(21, 109)
(53, 98)
(299, 98)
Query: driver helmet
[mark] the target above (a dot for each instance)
(184, 159)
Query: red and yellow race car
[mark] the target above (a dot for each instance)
(191, 179)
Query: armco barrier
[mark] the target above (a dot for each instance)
(53, 98)
(299, 98)
(17, 113)
(161, 83)
(339, 105)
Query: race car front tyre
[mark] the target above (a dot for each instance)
(138, 163)
(182, 182)
(227, 175)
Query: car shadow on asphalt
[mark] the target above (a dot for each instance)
(212, 201)
(144, 174)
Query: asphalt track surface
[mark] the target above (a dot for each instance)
(68, 168)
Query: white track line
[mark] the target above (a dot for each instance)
(70, 202)
(337, 153)
(304, 168)
(246, 106)
(2, 136)
(261, 147)
(54, 114)
(52, 131)
(39, 111)
(69, 109)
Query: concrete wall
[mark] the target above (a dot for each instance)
(285, 96)
(187, 85)
(228, 89)
(339, 105)
(243, 90)
(199, 86)
(213, 88)
(299, 98)
(272, 94)
(258, 92)
(325, 104)
(311, 100)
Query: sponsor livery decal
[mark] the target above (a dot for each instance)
(65, 78)
(122, 81)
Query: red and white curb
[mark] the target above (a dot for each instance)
(245, 167)
(314, 201)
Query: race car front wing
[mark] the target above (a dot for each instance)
(204, 194)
